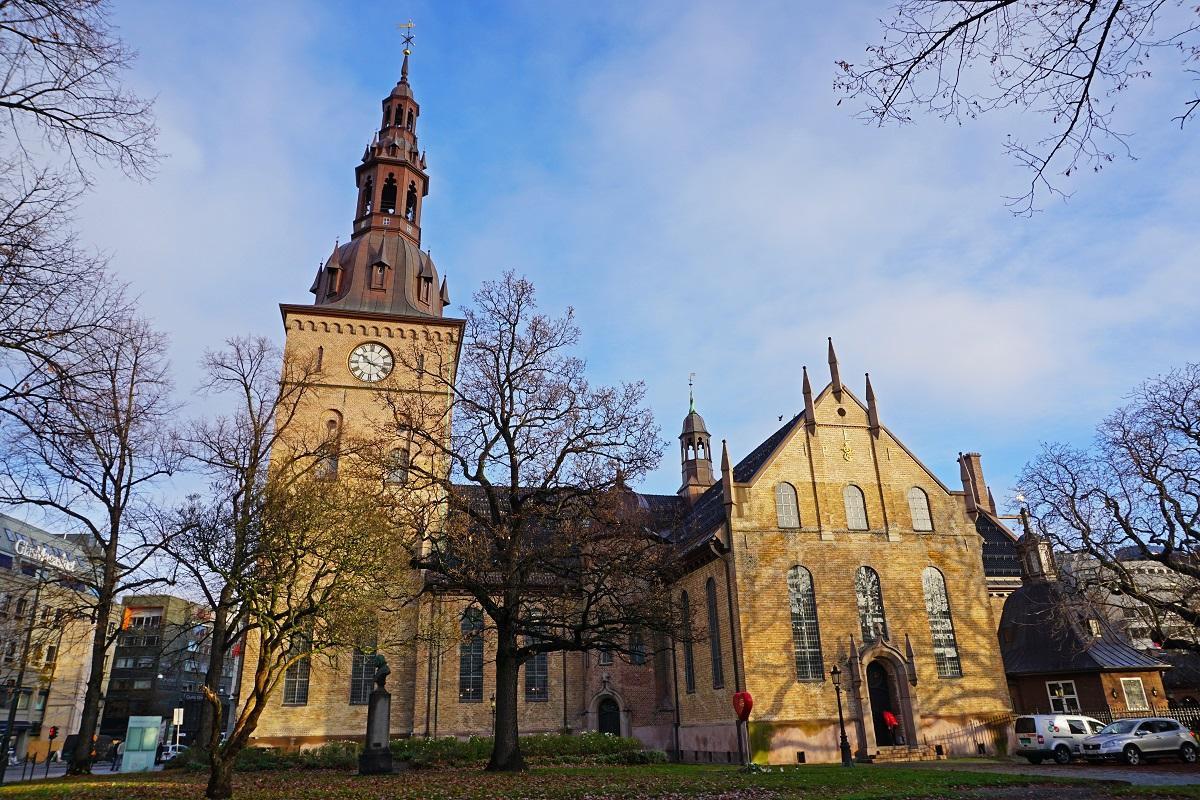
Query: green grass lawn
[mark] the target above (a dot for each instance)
(667, 782)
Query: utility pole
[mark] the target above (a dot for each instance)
(12, 709)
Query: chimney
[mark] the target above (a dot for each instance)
(973, 483)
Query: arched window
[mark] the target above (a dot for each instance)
(320, 357)
(806, 634)
(714, 635)
(387, 201)
(470, 657)
(387, 116)
(870, 604)
(918, 507)
(787, 511)
(856, 508)
(398, 464)
(327, 453)
(941, 626)
(689, 662)
(411, 120)
(410, 202)
(295, 679)
(368, 194)
(399, 116)
(537, 671)
(637, 648)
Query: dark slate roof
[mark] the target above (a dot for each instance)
(749, 465)
(1038, 636)
(1000, 558)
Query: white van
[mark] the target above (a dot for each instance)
(1057, 736)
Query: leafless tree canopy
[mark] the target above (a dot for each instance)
(1132, 499)
(62, 66)
(514, 493)
(275, 550)
(1065, 59)
(88, 453)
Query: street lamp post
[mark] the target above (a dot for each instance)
(836, 674)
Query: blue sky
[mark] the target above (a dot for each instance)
(681, 174)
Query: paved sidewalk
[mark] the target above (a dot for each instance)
(1165, 773)
(57, 770)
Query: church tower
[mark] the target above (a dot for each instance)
(695, 454)
(376, 315)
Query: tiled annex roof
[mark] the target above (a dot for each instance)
(1038, 636)
(1000, 558)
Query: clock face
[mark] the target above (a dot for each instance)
(371, 362)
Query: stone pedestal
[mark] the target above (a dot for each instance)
(376, 756)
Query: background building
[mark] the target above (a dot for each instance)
(158, 664)
(45, 628)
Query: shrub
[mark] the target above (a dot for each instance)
(552, 747)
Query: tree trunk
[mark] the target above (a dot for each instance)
(220, 779)
(81, 758)
(506, 744)
(212, 679)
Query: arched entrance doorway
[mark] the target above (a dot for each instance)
(609, 717)
(879, 690)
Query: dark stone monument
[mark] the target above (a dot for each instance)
(376, 758)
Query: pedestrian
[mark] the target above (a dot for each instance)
(890, 721)
(118, 752)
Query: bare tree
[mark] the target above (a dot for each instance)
(1065, 59)
(508, 486)
(1130, 500)
(60, 85)
(88, 454)
(287, 560)
(61, 67)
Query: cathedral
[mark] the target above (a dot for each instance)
(830, 546)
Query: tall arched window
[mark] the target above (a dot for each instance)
(470, 657)
(714, 635)
(410, 202)
(327, 458)
(368, 196)
(870, 604)
(387, 200)
(918, 507)
(397, 470)
(856, 508)
(941, 626)
(409, 125)
(787, 511)
(689, 662)
(806, 634)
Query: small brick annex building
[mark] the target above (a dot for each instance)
(830, 543)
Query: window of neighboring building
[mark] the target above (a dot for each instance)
(637, 648)
(150, 641)
(295, 679)
(470, 657)
(51, 654)
(39, 701)
(6, 562)
(361, 678)
(145, 662)
(124, 663)
(714, 635)
(689, 663)
(869, 594)
(141, 683)
(1063, 699)
(941, 625)
(1135, 694)
(806, 634)
(537, 678)
(856, 508)
(918, 508)
(22, 700)
(787, 511)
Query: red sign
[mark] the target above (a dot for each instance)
(742, 704)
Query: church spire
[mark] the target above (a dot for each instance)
(810, 412)
(835, 375)
(872, 409)
(695, 451)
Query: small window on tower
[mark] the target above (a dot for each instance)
(378, 274)
(334, 281)
(410, 202)
(387, 115)
(409, 124)
(399, 116)
(368, 195)
(387, 202)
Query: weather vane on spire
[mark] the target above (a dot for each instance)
(407, 28)
(691, 395)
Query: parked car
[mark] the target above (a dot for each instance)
(1136, 741)
(172, 750)
(1057, 736)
